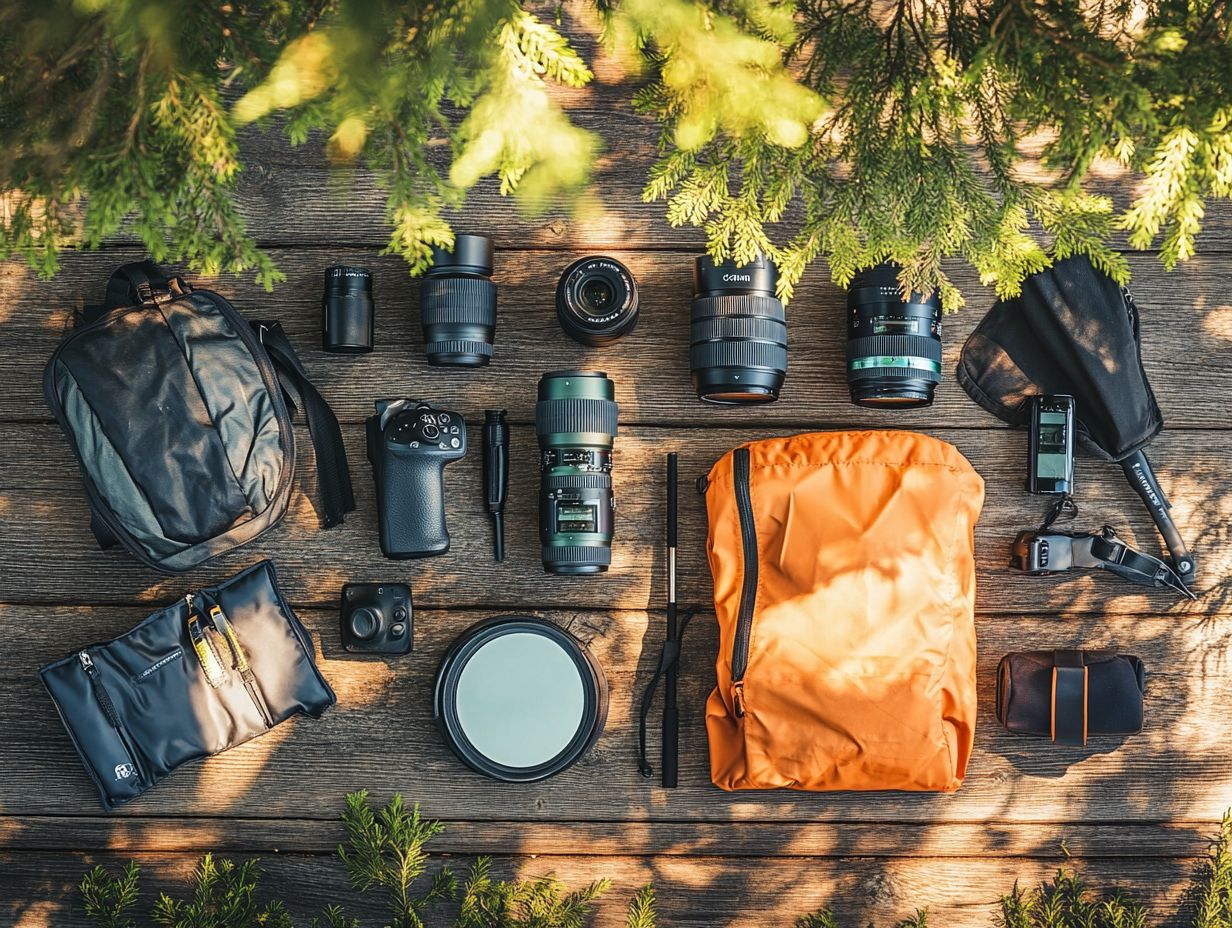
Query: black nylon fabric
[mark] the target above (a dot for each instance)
(145, 708)
(1073, 330)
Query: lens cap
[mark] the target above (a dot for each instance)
(519, 699)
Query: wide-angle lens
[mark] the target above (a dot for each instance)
(457, 304)
(893, 344)
(596, 301)
(575, 420)
(738, 332)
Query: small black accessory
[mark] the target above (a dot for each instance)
(214, 669)
(519, 699)
(737, 332)
(457, 303)
(1074, 331)
(377, 618)
(1050, 461)
(179, 413)
(596, 301)
(893, 344)
(496, 474)
(409, 444)
(669, 659)
(347, 315)
(575, 420)
(1070, 695)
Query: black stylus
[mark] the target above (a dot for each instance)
(496, 474)
(671, 714)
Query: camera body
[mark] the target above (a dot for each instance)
(409, 445)
(377, 618)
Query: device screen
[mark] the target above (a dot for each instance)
(1051, 460)
(577, 517)
(889, 325)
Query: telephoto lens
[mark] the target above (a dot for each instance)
(575, 420)
(596, 301)
(738, 332)
(893, 344)
(347, 311)
(457, 304)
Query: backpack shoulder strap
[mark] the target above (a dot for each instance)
(333, 474)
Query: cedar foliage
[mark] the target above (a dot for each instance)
(856, 131)
(385, 849)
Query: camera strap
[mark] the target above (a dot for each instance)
(1043, 552)
(669, 657)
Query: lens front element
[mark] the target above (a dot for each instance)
(596, 301)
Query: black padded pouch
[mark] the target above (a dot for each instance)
(160, 696)
(1069, 695)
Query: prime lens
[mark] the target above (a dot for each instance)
(457, 303)
(575, 420)
(596, 301)
(893, 344)
(347, 314)
(738, 332)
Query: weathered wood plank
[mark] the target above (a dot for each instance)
(381, 736)
(1187, 331)
(822, 840)
(47, 554)
(697, 892)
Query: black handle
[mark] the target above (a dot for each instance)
(672, 468)
(496, 473)
(671, 735)
(1142, 478)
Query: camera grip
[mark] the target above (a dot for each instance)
(412, 506)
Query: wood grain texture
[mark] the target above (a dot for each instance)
(1137, 811)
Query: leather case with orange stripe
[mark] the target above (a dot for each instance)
(1068, 696)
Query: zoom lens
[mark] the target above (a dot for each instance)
(596, 301)
(457, 304)
(346, 310)
(575, 419)
(893, 345)
(738, 333)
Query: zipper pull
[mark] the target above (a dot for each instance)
(87, 662)
(100, 691)
(239, 660)
(738, 697)
(207, 657)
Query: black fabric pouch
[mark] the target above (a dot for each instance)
(215, 669)
(1069, 695)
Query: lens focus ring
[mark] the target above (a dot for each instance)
(566, 555)
(554, 417)
(459, 346)
(577, 481)
(895, 346)
(735, 353)
(738, 304)
(468, 300)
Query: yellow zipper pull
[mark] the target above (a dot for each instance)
(207, 657)
(738, 697)
(239, 660)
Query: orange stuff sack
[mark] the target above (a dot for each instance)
(844, 586)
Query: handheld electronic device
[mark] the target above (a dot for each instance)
(1050, 463)
(409, 445)
(377, 618)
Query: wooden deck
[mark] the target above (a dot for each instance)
(1136, 814)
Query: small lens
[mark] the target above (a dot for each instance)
(596, 301)
(738, 332)
(576, 421)
(893, 345)
(347, 313)
(458, 304)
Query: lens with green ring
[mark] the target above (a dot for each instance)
(575, 420)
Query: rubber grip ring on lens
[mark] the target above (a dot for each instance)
(555, 417)
(459, 347)
(578, 554)
(469, 300)
(895, 346)
(738, 354)
(749, 327)
(577, 482)
(737, 305)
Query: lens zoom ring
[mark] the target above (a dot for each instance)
(756, 327)
(738, 354)
(876, 346)
(738, 304)
(459, 346)
(578, 482)
(469, 300)
(578, 554)
(582, 415)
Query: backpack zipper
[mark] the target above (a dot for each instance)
(103, 698)
(748, 591)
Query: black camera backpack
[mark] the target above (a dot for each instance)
(179, 412)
